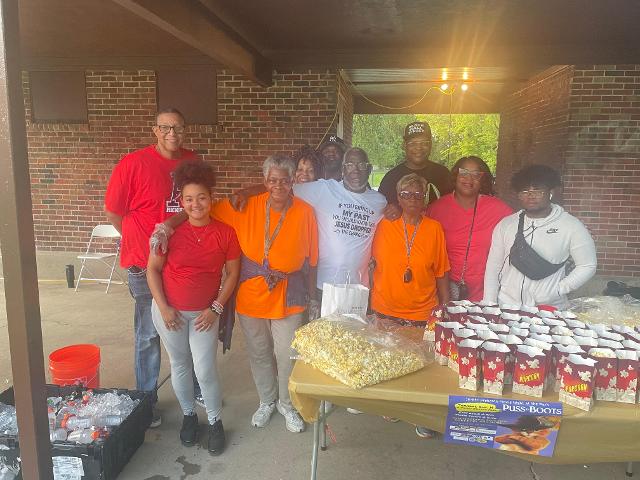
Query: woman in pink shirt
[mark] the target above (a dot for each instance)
(468, 217)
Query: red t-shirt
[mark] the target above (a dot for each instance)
(193, 269)
(142, 192)
(456, 222)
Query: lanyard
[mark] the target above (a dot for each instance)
(268, 240)
(466, 253)
(409, 244)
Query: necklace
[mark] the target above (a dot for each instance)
(408, 274)
(204, 232)
(269, 239)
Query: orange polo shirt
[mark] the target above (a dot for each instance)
(415, 299)
(297, 241)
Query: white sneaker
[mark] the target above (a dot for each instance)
(292, 419)
(354, 411)
(263, 414)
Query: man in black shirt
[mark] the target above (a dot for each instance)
(417, 148)
(331, 153)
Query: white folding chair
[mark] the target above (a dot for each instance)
(108, 259)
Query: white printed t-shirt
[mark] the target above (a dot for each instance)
(346, 224)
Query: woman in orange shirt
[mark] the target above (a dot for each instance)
(410, 276)
(411, 264)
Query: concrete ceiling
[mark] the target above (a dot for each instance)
(391, 49)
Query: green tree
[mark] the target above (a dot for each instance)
(454, 136)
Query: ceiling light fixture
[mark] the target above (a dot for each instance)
(444, 86)
(464, 87)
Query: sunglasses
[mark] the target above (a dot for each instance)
(475, 174)
(404, 195)
(532, 193)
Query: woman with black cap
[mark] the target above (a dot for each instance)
(530, 248)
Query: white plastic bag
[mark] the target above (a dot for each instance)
(346, 298)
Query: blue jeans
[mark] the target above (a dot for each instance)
(147, 341)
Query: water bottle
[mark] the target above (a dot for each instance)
(85, 436)
(58, 435)
(71, 422)
(107, 421)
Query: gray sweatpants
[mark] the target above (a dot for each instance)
(269, 348)
(190, 350)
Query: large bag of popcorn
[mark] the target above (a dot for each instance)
(356, 353)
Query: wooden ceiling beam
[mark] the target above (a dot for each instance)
(194, 24)
(516, 57)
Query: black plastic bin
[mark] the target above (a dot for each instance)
(103, 460)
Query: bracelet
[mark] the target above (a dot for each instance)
(217, 307)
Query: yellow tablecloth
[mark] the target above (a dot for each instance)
(609, 433)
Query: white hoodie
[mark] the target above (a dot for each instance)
(555, 238)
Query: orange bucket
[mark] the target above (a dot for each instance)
(76, 365)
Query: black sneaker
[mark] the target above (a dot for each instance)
(216, 438)
(189, 430)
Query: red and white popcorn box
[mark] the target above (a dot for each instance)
(627, 379)
(494, 362)
(547, 315)
(444, 334)
(598, 327)
(616, 337)
(456, 313)
(477, 319)
(522, 333)
(477, 326)
(474, 310)
(630, 345)
(586, 343)
(585, 332)
(506, 317)
(566, 314)
(553, 322)
(511, 307)
(633, 336)
(511, 341)
(486, 335)
(529, 371)
(469, 364)
(564, 340)
(438, 314)
(464, 303)
(559, 354)
(612, 344)
(560, 330)
(532, 320)
(491, 313)
(459, 334)
(606, 373)
(578, 376)
(572, 323)
(546, 348)
(529, 311)
(542, 329)
(499, 328)
(543, 337)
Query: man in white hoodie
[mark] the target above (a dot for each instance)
(554, 234)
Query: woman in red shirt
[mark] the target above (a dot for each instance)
(468, 217)
(188, 299)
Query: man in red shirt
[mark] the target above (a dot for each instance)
(141, 193)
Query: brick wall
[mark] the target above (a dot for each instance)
(585, 122)
(602, 162)
(533, 126)
(70, 164)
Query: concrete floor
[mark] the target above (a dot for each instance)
(367, 446)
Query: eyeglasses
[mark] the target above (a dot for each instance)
(362, 166)
(532, 193)
(404, 195)
(475, 174)
(278, 181)
(418, 143)
(177, 129)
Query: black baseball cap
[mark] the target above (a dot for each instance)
(417, 129)
(333, 140)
